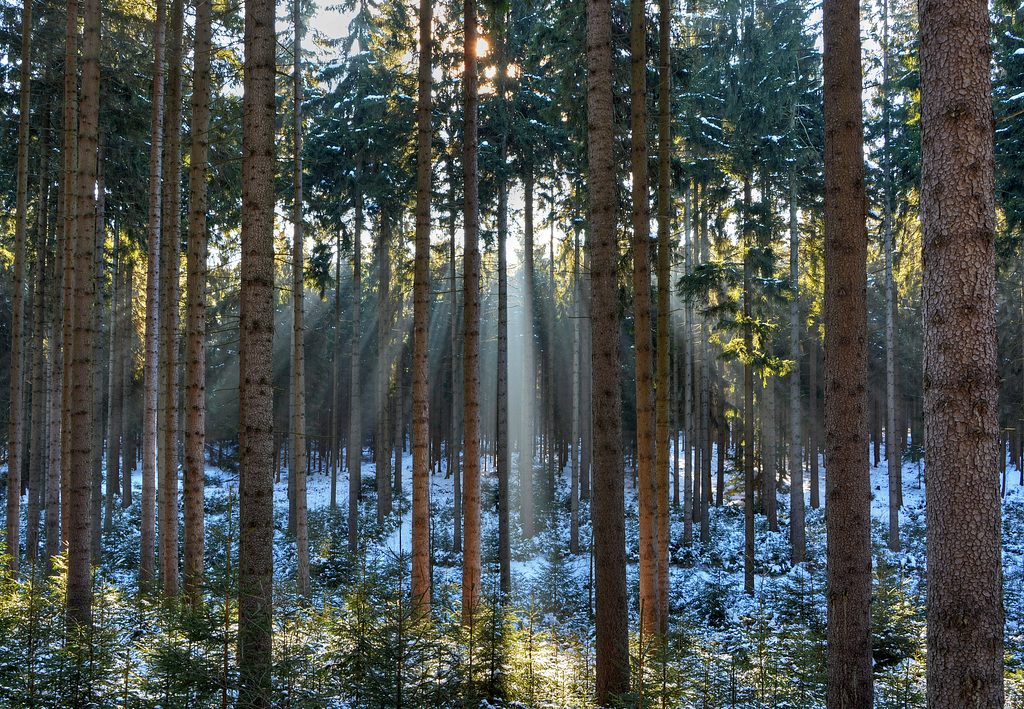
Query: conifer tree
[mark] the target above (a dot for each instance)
(965, 609)
(848, 488)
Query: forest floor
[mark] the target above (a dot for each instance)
(353, 644)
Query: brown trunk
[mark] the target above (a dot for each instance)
(748, 401)
(650, 604)
(612, 628)
(813, 418)
(664, 286)
(193, 475)
(96, 456)
(421, 580)
(299, 469)
(502, 459)
(171, 259)
(847, 485)
(471, 569)
(79, 590)
(255, 375)
(797, 536)
(961, 377)
(147, 558)
(16, 443)
(382, 441)
(354, 449)
(529, 367)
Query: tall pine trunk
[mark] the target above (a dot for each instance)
(526, 436)
(502, 458)
(385, 365)
(420, 579)
(299, 468)
(354, 450)
(797, 536)
(650, 604)
(612, 621)
(147, 558)
(664, 286)
(79, 589)
(16, 442)
(193, 475)
(471, 569)
(255, 374)
(961, 398)
(848, 484)
(748, 399)
(171, 259)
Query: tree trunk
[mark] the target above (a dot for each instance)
(769, 473)
(16, 443)
(171, 258)
(52, 547)
(813, 417)
(299, 469)
(471, 336)
(147, 558)
(96, 454)
(125, 377)
(706, 369)
(797, 536)
(574, 490)
(336, 379)
(961, 411)
(612, 627)
(503, 459)
(847, 485)
(354, 450)
(385, 363)
(748, 400)
(529, 367)
(650, 603)
(421, 579)
(664, 286)
(40, 411)
(79, 589)
(195, 342)
(113, 363)
(687, 367)
(256, 350)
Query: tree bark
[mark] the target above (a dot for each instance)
(847, 485)
(79, 590)
(664, 287)
(354, 450)
(471, 569)
(16, 442)
(299, 469)
(421, 580)
(385, 364)
(748, 399)
(195, 344)
(503, 460)
(797, 535)
(171, 259)
(147, 558)
(961, 378)
(650, 603)
(39, 408)
(256, 349)
(529, 366)
(612, 629)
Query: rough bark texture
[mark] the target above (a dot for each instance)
(420, 353)
(664, 287)
(39, 409)
(748, 404)
(171, 264)
(797, 535)
(385, 363)
(529, 366)
(769, 455)
(256, 377)
(354, 450)
(16, 443)
(79, 590)
(147, 559)
(471, 335)
(612, 628)
(502, 458)
(96, 452)
(650, 604)
(298, 328)
(847, 485)
(961, 380)
(195, 342)
(56, 407)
